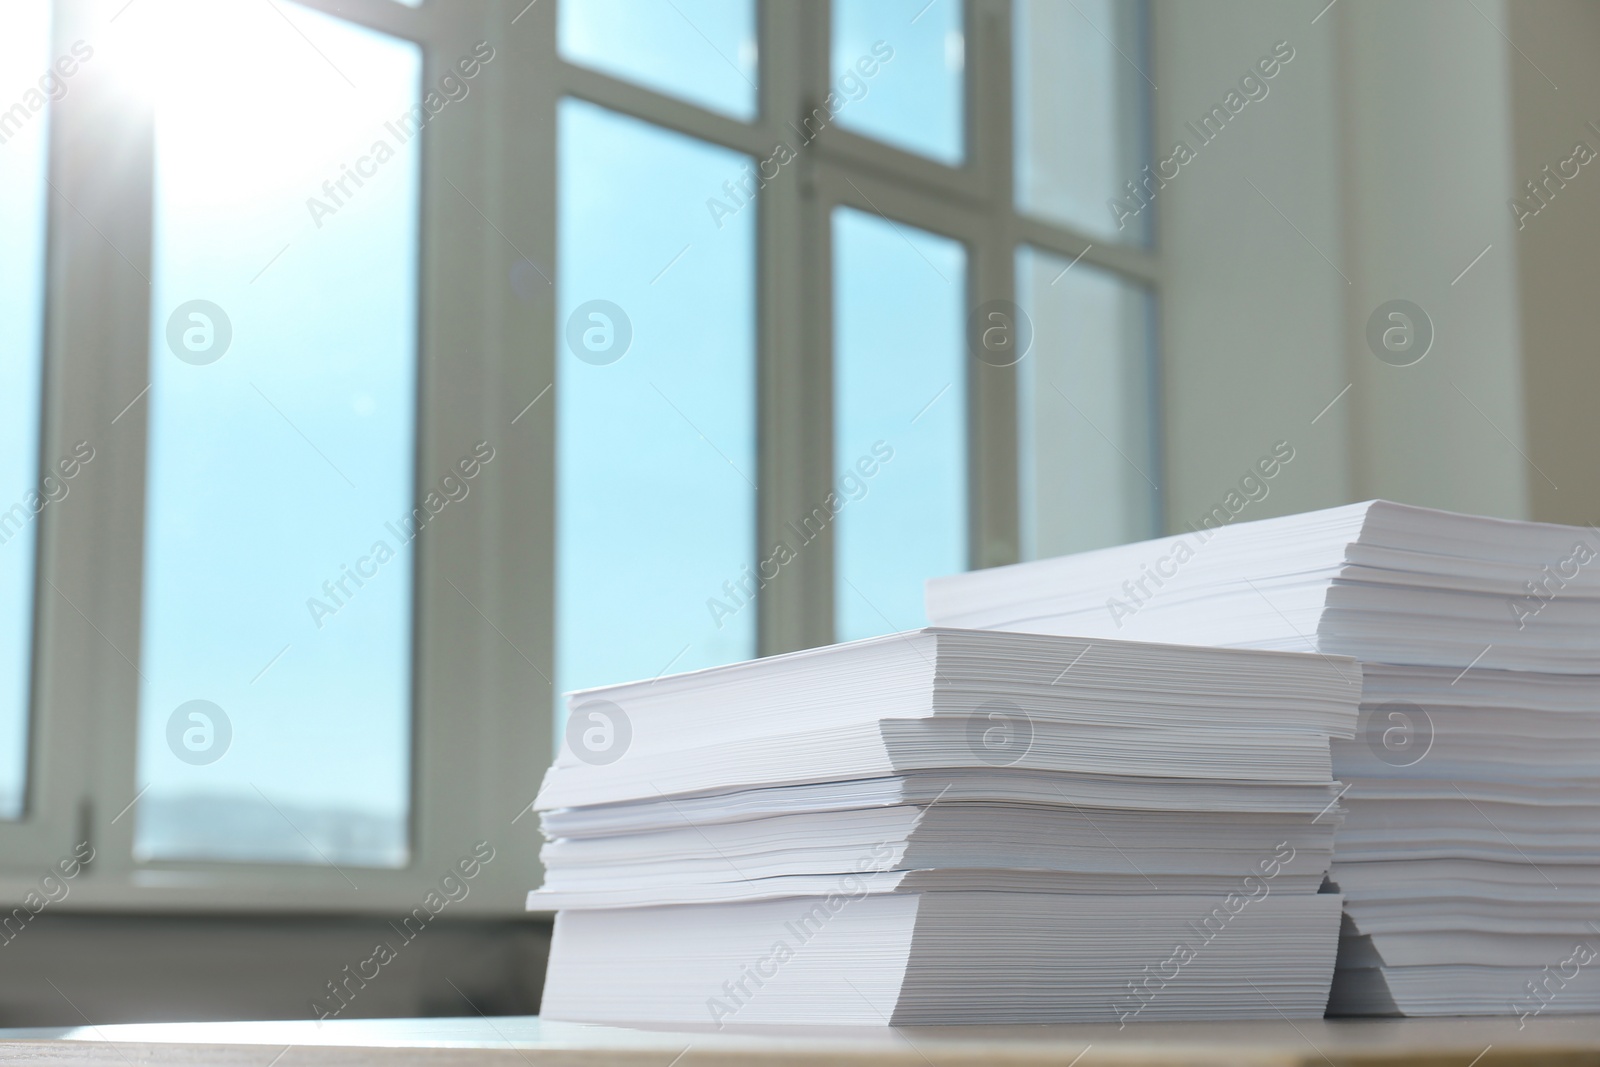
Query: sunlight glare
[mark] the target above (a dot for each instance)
(249, 73)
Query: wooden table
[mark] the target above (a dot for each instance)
(504, 1042)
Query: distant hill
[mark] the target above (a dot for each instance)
(243, 828)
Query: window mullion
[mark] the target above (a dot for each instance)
(659, 108)
(484, 590)
(1131, 260)
(386, 16)
(992, 456)
(795, 407)
(86, 674)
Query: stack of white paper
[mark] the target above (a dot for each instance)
(950, 826)
(1470, 858)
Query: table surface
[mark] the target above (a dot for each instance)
(1549, 1041)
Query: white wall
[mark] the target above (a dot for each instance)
(1427, 172)
(1252, 315)
(1558, 251)
(1375, 168)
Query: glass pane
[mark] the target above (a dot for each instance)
(900, 421)
(1081, 107)
(1086, 408)
(25, 490)
(702, 51)
(897, 75)
(655, 380)
(275, 712)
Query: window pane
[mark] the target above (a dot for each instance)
(1081, 105)
(897, 74)
(702, 51)
(282, 408)
(24, 57)
(655, 384)
(900, 418)
(1087, 454)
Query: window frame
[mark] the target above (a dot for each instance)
(974, 203)
(485, 583)
(479, 640)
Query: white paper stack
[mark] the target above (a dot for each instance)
(1470, 858)
(950, 826)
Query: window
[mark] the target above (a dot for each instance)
(1081, 108)
(450, 355)
(289, 713)
(281, 659)
(25, 489)
(899, 424)
(655, 380)
(1086, 444)
(702, 51)
(894, 443)
(921, 108)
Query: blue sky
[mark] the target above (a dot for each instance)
(280, 463)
